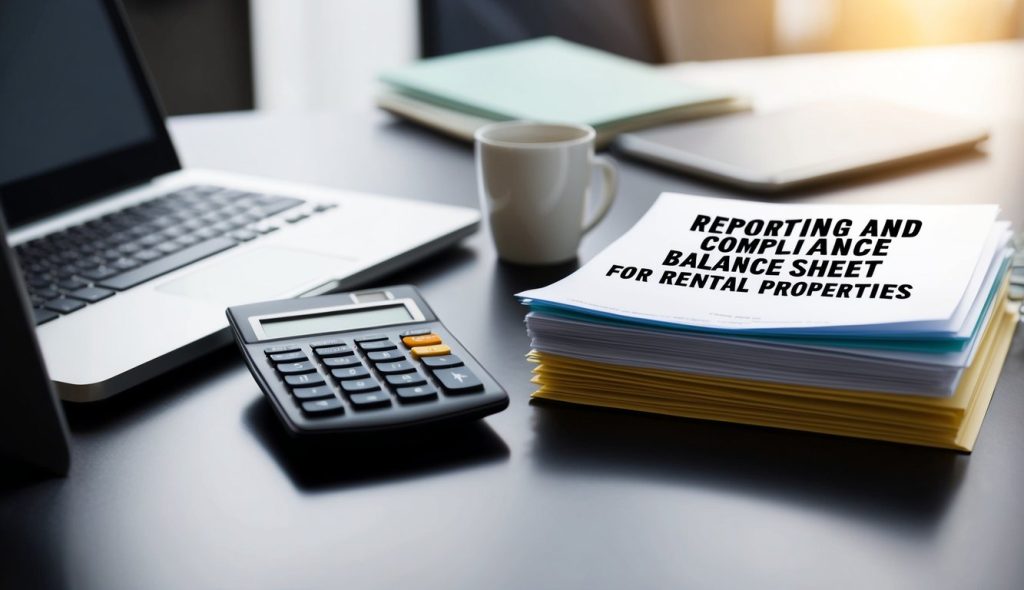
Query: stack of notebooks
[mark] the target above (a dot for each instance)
(545, 79)
(886, 322)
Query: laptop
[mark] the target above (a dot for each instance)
(800, 145)
(32, 427)
(129, 259)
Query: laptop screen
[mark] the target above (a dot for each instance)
(76, 114)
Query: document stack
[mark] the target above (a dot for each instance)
(887, 322)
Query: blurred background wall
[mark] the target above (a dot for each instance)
(216, 55)
(840, 25)
(326, 53)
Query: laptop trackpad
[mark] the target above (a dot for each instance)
(259, 274)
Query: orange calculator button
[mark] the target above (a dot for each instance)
(433, 350)
(421, 340)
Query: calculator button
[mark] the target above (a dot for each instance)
(386, 355)
(328, 342)
(295, 368)
(433, 350)
(360, 385)
(377, 345)
(342, 361)
(399, 367)
(357, 372)
(421, 340)
(442, 362)
(371, 338)
(330, 351)
(406, 379)
(286, 357)
(365, 401)
(460, 380)
(277, 349)
(420, 332)
(305, 393)
(322, 407)
(304, 379)
(416, 394)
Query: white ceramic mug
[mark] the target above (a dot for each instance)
(534, 182)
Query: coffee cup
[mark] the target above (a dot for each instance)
(534, 184)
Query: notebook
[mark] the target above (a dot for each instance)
(546, 79)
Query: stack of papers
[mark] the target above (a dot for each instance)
(547, 79)
(885, 321)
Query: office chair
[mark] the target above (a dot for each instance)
(625, 27)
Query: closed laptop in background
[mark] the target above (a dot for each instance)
(804, 144)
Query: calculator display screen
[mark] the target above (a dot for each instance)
(337, 321)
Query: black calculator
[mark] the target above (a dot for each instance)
(361, 361)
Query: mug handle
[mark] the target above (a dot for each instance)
(610, 187)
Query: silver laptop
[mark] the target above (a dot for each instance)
(773, 151)
(130, 260)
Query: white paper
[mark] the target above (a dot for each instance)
(937, 263)
(744, 358)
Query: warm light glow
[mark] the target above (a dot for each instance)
(822, 25)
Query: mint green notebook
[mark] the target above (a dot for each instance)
(546, 79)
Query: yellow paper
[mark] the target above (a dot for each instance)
(952, 422)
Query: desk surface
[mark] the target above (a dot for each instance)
(189, 482)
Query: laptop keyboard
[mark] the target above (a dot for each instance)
(70, 269)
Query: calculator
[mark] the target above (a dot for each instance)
(361, 361)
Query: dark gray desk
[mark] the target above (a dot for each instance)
(188, 482)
